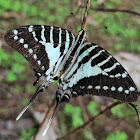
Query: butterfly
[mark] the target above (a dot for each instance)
(81, 67)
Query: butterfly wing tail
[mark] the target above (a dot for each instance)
(51, 117)
(40, 89)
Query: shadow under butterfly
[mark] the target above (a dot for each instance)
(80, 66)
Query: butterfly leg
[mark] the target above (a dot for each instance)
(38, 75)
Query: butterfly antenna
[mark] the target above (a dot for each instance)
(51, 118)
(76, 18)
(40, 89)
(135, 107)
(96, 29)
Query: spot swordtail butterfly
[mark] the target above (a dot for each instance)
(80, 66)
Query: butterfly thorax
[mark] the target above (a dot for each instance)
(81, 37)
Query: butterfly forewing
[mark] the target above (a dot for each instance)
(96, 72)
(42, 45)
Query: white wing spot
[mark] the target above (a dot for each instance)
(97, 87)
(111, 76)
(82, 87)
(39, 74)
(124, 75)
(132, 89)
(127, 91)
(25, 46)
(118, 75)
(30, 29)
(120, 89)
(39, 62)
(21, 40)
(43, 68)
(74, 92)
(113, 88)
(66, 96)
(15, 32)
(105, 87)
(15, 37)
(35, 56)
(90, 87)
(30, 51)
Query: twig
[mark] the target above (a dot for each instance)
(85, 14)
(90, 121)
(115, 10)
(45, 118)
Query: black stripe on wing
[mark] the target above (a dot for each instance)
(97, 72)
(30, 42)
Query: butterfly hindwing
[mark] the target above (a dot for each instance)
(41, 45)
(96, 72)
